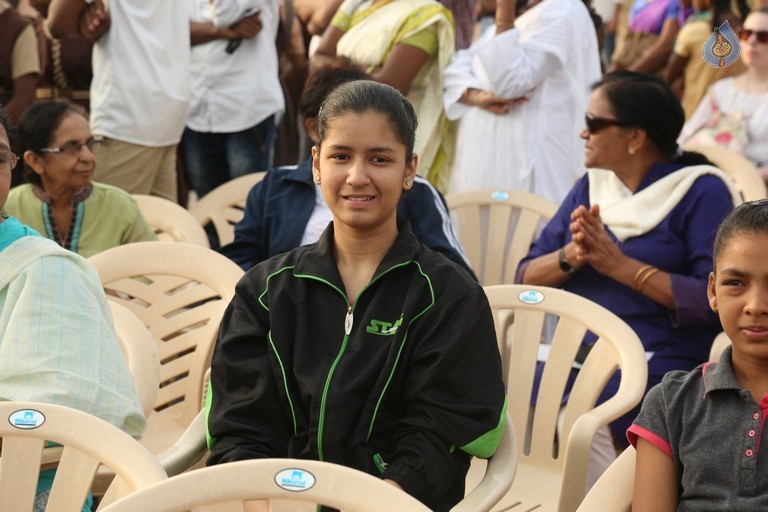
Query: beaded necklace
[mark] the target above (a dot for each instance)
(71, 239)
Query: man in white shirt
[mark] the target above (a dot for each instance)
(520, 93)
(236, 92)
(140, 87)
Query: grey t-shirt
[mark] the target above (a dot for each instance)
(712, 430)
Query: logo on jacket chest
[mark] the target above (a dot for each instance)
(382, 328)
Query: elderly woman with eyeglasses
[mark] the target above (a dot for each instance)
(57, 343)
(61, 201)
(635, 233)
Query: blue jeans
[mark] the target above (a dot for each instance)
(215, 158)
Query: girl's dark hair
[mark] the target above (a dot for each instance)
(320, 84)
(37, 126)
(748, 218)
(647, 102)
(363, 96)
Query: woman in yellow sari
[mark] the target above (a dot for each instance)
(405, 44)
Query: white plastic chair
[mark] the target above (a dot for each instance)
(552, 458)
(87, 442)
(615, 487)
(498, 475)
(179, 291)
(224, 487)
(171, 222)
(496, 229)
(223, 206)
(140, 351)
(718, 345)
(743, 173)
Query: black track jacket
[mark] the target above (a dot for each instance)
(404, 384)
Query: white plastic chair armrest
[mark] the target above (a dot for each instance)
(498, 478)
(189, 448)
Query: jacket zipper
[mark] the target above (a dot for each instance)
(348, 323)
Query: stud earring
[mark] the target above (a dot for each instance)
(631, 151)
(407, 183)
(317, 179)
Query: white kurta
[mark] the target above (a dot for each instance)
(551, 57)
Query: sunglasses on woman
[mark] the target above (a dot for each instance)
(762, 35)
(595, 124)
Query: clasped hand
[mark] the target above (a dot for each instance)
(489, 101)
(94, 21)
(247, 28)
(593, 243)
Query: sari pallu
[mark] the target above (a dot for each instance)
(369, 40)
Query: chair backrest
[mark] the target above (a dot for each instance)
(721, 341)
(223, 206)
(743, 172)
(140, 350)
(615, 486)
(179, 291)
(171, 222)
(224, 487)
(546, 445)
(496, 229)
(87, 442)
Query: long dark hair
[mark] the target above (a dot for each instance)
(647, 102)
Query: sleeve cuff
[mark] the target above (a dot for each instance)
(635, 431)
(407, 477)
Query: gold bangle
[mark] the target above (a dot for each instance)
(505, 24)
(639, 274)
(645, 278)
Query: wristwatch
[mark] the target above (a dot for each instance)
(564, 265)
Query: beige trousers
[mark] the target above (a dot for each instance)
(137, 169)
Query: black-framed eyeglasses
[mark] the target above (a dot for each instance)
(595, 124)
(73, 147)
(8, 159)
(762, 35)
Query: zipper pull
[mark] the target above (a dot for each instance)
(348, 322)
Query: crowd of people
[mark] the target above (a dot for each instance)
(359, 334)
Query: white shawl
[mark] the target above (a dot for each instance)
(629, 215)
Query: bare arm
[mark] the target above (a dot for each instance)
(23, 95)
(657, 55)
(676, 69)
(545, 270)
(317, 14)
(656, 480)
(204, 32)
(326, 50)
(401, 67)
(64, 17)
(596, 247)
(505, 15)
